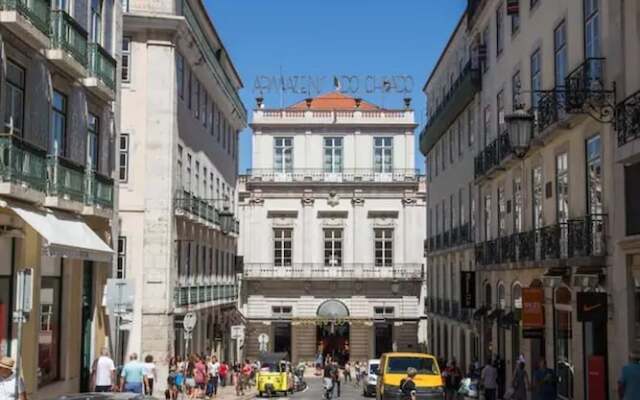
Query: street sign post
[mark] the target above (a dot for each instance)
(188, 323)
(120, 300)
(24, 302)
(237, 331)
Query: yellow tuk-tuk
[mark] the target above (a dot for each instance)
(275, 375)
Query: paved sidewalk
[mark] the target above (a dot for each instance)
(229, 393)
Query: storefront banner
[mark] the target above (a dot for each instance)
(592, 306)
(533, 308)
(468, 289)
(597, 379)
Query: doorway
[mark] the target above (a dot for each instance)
(87, 323)
(384, 338)
(282, 337)
(333, 339)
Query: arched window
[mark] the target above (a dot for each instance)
(333, 309)
(487, 295)
(502, 302)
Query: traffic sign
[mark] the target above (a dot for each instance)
(237, 331)
(189, 321)
(263, 340)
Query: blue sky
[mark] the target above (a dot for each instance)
(334, 37)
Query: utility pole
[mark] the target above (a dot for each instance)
(24, 303)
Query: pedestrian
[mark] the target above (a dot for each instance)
(336, 377)
(133, 378)
(150, 373)
(408, 386)
(247, 370)
(453, 378)
(347, 372)
(222, 373)
(319, 363)
(103, 373)
(356, 370)
(520, 383)
(214, 368)
(629, 382)
(488, 381)
(8, 379)
(327, 378)
(237, 379)
(190, 385)
(200, 374)
(544, 382)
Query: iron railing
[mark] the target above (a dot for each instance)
(585, 86)
(22, 163)
(197, 294)
(65, 178)
(38, 12)
(493, 155)
(67, 34)
(206, 210)
(628, 119)
(581, 237)
(341, 176)
(457, 236)
(102, 65)
(99, 190)
(405, 271)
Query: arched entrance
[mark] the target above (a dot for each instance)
(333, 330)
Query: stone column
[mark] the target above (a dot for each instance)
(360, 340)
(303, 342)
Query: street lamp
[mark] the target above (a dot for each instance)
(520, 128)
(395, 286)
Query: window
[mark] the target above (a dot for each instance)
(452, 145)
(472, 213)
(562, 188)
(383, 154)
(59, 123)
(560, 53)
(487, 217)
(212, 113)
(515, 91)
(205, 109)
(460, 207)
(594, 176)
(384, 312)
(383, 247)
(333, 247)
(282, 247)
(204, 193)
(50, 321)
(125, 73)
(536, 76)
(93, 142)
(96, 22)
(196, 185)
(190, 89)
(121, 266)
(180, 170)
(487, 125)
(197, 94)
(517, 204)
(224, 133)
(188, 175)
(460, 126)
(515, 20)
(218, 125)
(123, 157)
(591, 29)
(502, 127)
(500, 30)
(125, 6)
(536, 196)
(281, 311)
(333, 154)
(484, 50)
(14, 116)
(283, 154)
(502, 212)
(211, 184)
(471, 116)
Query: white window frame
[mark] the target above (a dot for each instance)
(384, 145)
(125, 59)
(386, 241)
(280, 237)
(284, 146)
(333, 246)
(124, 145)
(121, 264)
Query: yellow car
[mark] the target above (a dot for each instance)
(393, 370)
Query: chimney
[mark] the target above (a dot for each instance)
(308, 100)
(358, 102)
(259, 101)
(407, 103)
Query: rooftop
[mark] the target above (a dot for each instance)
(333, 101)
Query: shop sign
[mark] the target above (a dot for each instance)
(597, 379)
(468, 289)
(532, 312)
(592, 306)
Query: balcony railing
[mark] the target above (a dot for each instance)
(69, 35)
(628, 119)
(197, 294)
(99, 190)
(321, 271)
(65, 179)
(102, 65)
(343, 176)
(459, 95)
(22, 163)
(38, 12)
(585, 86)
(493, 155)
(457, 236)
(206, 210)
(582, 237)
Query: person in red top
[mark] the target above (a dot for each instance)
(222, 373)
(200, 374)
(246, 373)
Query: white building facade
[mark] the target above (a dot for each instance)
(178, 154)
(332, 221)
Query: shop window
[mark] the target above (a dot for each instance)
(384, 312)
(516, 330)
(632, 194)
(281, 311)
(50, 320)
(563, 332)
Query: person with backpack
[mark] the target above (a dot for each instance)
(408, 386)
(453, 378)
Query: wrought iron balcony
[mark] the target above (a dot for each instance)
(260, 271)
(447, 307)
(493, 155)
(319, 175)
(65, 179)
(628, 119)
(99, 190)
(205, 211)
(22, 163)
(455, 310)
(439, 242)
(68, 35)
(576, 238)
(439, 306)
(37, 12)
(446, 240)
(198, 294)
(460, 94)
(102, 66)
(586, 91)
